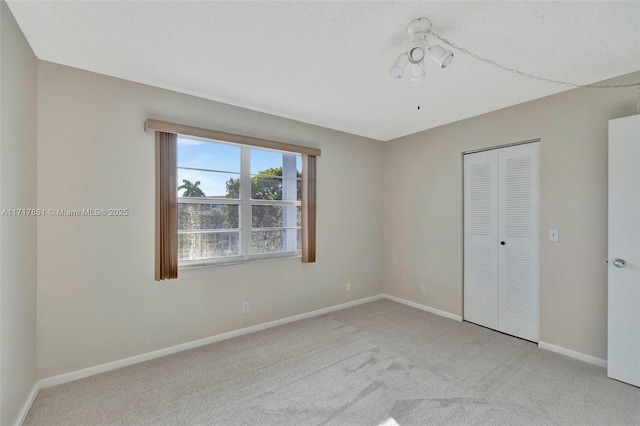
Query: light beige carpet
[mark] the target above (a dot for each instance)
(374, 363)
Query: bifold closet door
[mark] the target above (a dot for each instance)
(501, 239)
(481, 238)
(518, 229)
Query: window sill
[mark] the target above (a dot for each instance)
(217, 263)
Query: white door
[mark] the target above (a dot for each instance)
(501, 239)
(623, 360)
(481, 238)
(518, 259)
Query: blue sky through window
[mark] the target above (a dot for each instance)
(223, 157)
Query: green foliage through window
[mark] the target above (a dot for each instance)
(212, 230)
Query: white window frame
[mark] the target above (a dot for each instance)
(244, 204)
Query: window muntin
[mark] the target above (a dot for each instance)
(236, 202)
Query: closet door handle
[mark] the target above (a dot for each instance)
(502, 243)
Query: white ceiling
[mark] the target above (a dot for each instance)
(327, 62)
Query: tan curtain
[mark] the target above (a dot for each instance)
(166, 206)
(308, 208)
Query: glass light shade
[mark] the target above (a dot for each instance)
(441, 56)
(417, 51)
(398, 67)
(417, 72)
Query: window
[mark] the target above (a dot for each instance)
(230, 198)
(236, 202)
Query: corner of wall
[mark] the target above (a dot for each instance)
(18, 242)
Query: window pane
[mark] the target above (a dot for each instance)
(264, 160)
(276, 216)
(208, 245)
(208, 155)
(207, 216)
(276, 241)
(268, 187)
(197, 183)
(275, 176)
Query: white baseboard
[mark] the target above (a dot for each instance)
(22, 415)
(90, 371)
(542, 345)
(423, 307)
(573, 354)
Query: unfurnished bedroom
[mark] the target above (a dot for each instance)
(319, 213)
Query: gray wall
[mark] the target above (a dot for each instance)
(18, 109)
(423, 208)
(97, 298)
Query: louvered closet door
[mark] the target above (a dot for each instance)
(501, 239)
(518, 259)
(481, 238)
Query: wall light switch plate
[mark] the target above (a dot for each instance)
(554, 235)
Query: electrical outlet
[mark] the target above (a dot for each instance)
(422, 288)
(245, 308)
(348, 286)
(554, 235)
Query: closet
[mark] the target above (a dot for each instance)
(501, 239)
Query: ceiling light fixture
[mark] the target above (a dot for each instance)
(417, 31)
